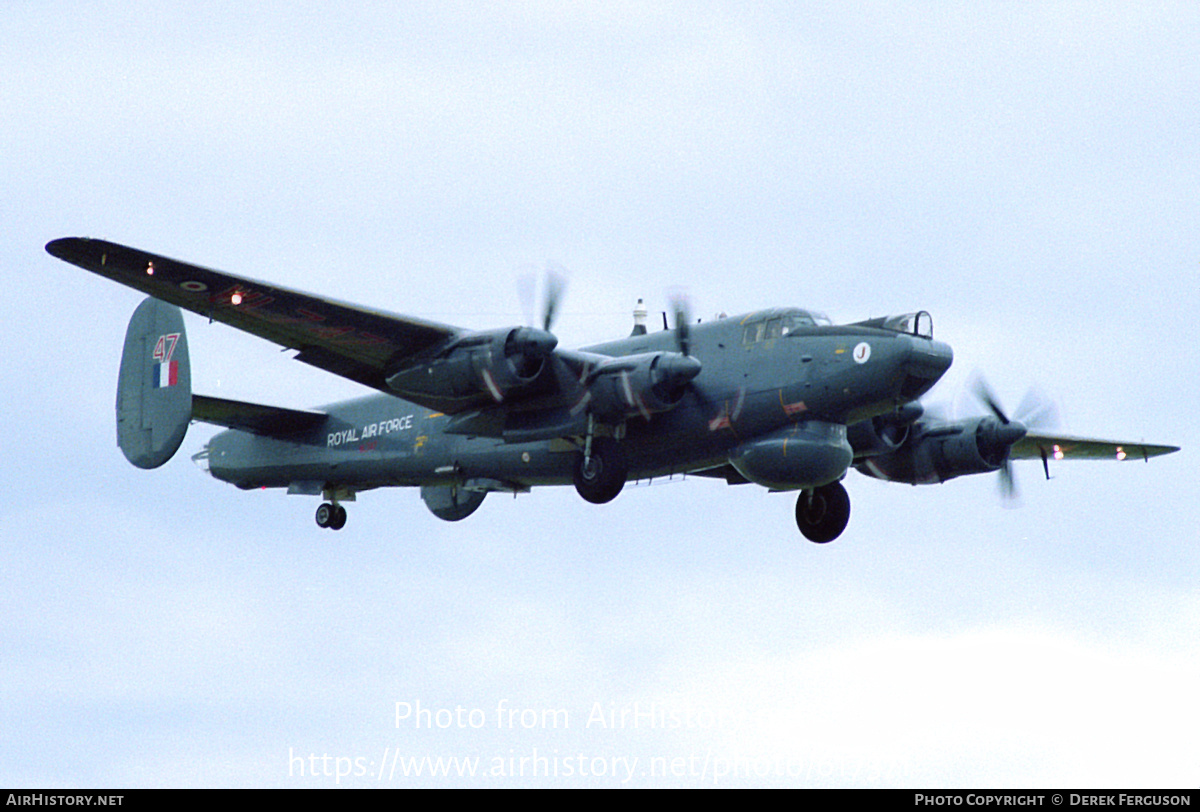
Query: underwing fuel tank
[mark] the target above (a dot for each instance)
(154, 388)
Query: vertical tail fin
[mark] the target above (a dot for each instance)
(154, 390)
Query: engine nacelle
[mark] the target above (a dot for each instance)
(641, 384)
(885, 432)
(807, 455)
(931, 455)
(495, 364)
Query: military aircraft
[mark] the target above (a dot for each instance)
(781, 398)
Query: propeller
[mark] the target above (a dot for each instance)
(681, 306)
(542, 306)
(554, 288)
(530, 346)
(1037, 411)
(683, 319)
(997, 437)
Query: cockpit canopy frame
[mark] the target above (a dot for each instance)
(918, 324)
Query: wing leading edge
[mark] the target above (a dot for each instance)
(357, 343)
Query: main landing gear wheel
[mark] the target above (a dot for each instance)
(601, 478)
(331, 516)
(822, 514)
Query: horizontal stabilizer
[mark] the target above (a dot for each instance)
(269, 421)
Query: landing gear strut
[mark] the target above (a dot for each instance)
(822, 513)
(331, 515)
(600, 474)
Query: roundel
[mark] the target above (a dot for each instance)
(862, 353)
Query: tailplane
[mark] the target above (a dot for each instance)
(154, 390)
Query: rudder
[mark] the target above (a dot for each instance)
(154, 389)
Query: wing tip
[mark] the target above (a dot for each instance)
(58, 247)
(1145, 451)
(72, 249)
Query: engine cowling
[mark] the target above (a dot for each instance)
(807, 455)
(495, 364)
(885, 432)
(641, 384)
(930, 455)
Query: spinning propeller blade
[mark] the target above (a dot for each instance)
(540, 309)
(683, 318)
(1035, 411)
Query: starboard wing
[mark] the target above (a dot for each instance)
(1036, 445)
(358, 343)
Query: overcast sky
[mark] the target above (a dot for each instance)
(1027, 173)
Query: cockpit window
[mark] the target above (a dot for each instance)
(795, 321)
(917, 324)
(781, 326)
(924, 326)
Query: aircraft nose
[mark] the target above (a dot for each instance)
(923, 364)
(928, 359)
